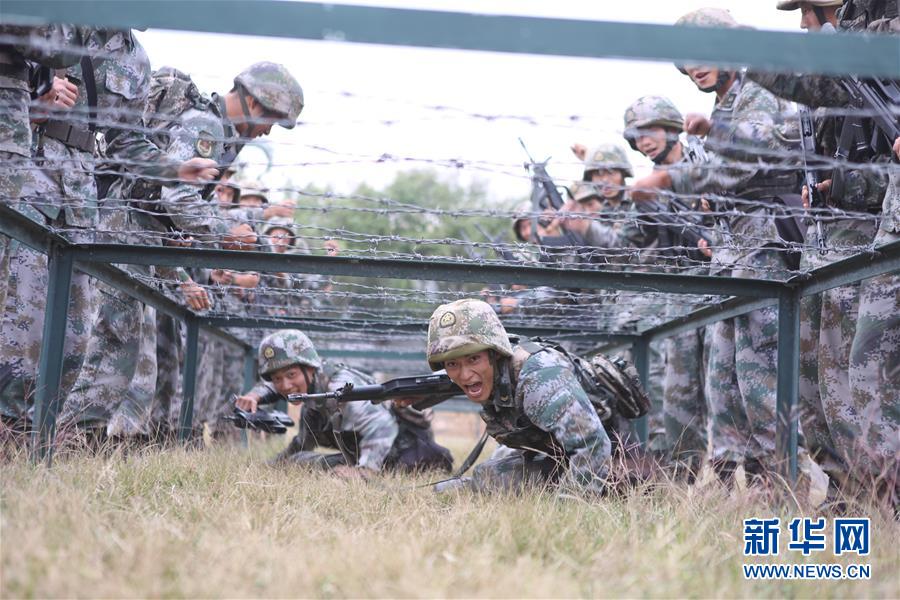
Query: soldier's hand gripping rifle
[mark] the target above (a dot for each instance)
(433, 389)
(668, 217)
(272, 421)
(808, 144)
(544, 195)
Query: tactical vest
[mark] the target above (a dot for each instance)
(611, 388)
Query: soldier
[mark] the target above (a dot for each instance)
(749, 131)
(652, 127)
(618, 240)
(190, 126)
(281, 237)
(62, 193)
(850, 348)
(531, 399)
(369, 437)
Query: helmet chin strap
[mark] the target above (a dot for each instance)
(721, 80)
(820, 15)
(660, 158)
(248, 116)
(501, 395)
(310, 384)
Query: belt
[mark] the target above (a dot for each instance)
(70, 135)
(13, 71)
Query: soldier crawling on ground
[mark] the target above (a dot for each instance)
(369, 437)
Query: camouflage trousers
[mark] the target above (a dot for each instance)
(167, 401)
(22, 326)
(512, 470)
(827, 328)
(117, 381)
(741, 376)
(12, 180)
(872, 418)
(684, 403)
(220, 376)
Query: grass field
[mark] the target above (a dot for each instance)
(217, 523)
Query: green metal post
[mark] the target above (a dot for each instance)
(788, 382)
(249, 382)
(190, 380)
(49, 375)
(641, 352)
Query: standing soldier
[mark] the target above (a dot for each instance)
(652, 127)
(748, 132)
(850, 334)
(369, 437)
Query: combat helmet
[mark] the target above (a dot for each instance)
(606, 156)
(464, 327)
(795, 4)
(522, 213)
(584, 190)
(706, 17)
(255, 188)
(275, 88)
(286, 348)
(650, 111)
(285, 223)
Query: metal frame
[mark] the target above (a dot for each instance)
(786, 52)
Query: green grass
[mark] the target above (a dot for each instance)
(217, 523)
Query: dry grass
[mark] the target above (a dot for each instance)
(217, 523)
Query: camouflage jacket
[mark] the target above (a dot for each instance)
(365, 430)
(550, 412)
(15, 93)
(750, 129)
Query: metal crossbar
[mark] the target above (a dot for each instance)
(787, 52)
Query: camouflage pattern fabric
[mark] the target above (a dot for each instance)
(864, 431)
(607, 157)
(284, 348)
(747, 119)
(552, 415)
(372, 426)
(550, 412)
(275, 88)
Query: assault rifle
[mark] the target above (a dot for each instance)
(544, 195)
(497, 245)
(272, 421)
(434, 389)
(679, 227)
(808, 144)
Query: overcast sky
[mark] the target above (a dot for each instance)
(365, 101)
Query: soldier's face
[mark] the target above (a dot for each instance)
(289, 380)
(225, 194)
(705, 78)
(251, 201)
(280, 240)
(474, 373)
(651, 141)
(808, 19)
(523, 227)
(609, 182)
(590, 206)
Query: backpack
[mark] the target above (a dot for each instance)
(612, 386)
(172, 92)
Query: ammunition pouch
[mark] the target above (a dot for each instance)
(72, 136)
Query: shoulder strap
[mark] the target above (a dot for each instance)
(90, 86)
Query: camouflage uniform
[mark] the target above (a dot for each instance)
(624, 242)
(58, 193)
(851, 335)
(538, 406)
(740, 383)
(15, 128)
(112, 369)
(285, 297)
(190, 125)
(683, 403)
(370, 436)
